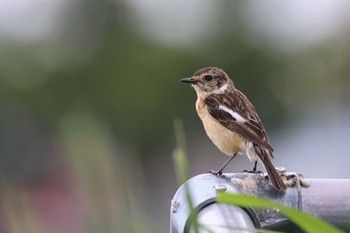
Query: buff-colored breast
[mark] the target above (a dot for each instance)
(227, 141)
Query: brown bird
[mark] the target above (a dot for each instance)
(231, 121)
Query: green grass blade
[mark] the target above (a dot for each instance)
(181, 168)
(180, 154)
(305, 221)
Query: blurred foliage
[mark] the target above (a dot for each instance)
(126, 80)
(130, 82)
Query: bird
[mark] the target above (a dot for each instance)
(231, 121)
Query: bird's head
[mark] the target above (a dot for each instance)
(209, 80)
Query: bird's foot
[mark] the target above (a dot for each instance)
(217, 173)
(253, 172)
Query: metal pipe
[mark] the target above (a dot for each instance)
(327, 199)
(217, 217)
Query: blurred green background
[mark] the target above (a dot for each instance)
(89, 91)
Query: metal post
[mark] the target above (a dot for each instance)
(327, 199)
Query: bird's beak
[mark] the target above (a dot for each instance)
(188, 80)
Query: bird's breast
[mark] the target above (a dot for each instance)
(225, 140)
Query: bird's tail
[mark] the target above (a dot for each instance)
(275, 178)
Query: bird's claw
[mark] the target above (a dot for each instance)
(217, 173)
(253, 172)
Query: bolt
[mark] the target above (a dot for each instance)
(174, 206)
(220, 188)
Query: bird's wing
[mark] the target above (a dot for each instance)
(235, 112)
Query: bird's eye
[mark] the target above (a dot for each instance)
(208, 77)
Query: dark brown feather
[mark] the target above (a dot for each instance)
(252, 129)
(275, 178)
